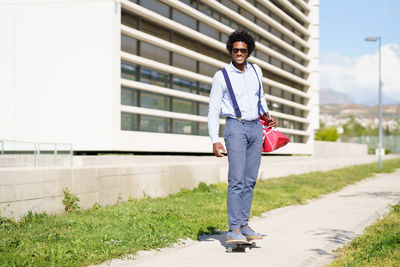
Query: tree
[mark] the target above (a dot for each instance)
(353, 128)
(327, 134)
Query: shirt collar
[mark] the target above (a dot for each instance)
(236, 69)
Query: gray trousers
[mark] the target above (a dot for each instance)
(243, 142)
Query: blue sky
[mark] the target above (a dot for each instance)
(348, 64)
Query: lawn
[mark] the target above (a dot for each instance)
(378, 246)
(102, 233)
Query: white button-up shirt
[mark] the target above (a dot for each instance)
(246, 89)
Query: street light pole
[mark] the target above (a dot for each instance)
(374, 39)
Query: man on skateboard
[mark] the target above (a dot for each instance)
(243, 130)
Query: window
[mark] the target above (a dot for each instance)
(190, 2)
(263, 25)
(264, 10)
(298, 99)
(276, 32)
(128, 122)
(206, 69)
(226, 58)
(262, 56)
(224, 38)
(299, 73)
(153, 52)
(155, 30)
(208, 51)
(128, 71)
(154, 124)
(209, 11)
(205, 89)
(154, 77)
(129, 96)
(276, 62)
(230, 4)
(156, 6)
(128, 44)
(183, 127)
(207, 30)
(184, 62)
(288, 68)
(247, 14)
(276, 92)
(184, 41)
(183, 106)
(129, 20)
(221, 130)
(183, 19)
(203, 129)
(154, 101)
(203, 109)
(184, 85)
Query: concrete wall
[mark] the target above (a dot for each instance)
(335, 149)
(41, 189)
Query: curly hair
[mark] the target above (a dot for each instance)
(241, 36)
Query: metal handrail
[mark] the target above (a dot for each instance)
(55, 151)
(36, 149)
(2, 141)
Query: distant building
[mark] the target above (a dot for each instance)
(136, 75)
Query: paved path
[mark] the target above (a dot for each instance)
(303, 235)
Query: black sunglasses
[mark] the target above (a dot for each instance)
(242, 50)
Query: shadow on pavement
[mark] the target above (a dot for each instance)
(221, 238)
(373, 194)
(336, 236)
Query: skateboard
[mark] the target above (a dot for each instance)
(240, 246)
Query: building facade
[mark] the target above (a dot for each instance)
(136, 75)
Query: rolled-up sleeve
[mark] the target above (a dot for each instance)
(214, 109)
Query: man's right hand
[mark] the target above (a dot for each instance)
(218, 149)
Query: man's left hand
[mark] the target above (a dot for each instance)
(271, 120)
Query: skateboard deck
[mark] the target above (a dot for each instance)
(240, 246)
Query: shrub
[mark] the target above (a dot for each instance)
(327, 134)
(70, 201)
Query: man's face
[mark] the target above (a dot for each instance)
(239, 52)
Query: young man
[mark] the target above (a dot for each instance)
(243, 136)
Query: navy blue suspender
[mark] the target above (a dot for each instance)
(233, 98)
(232, 95)
(260, 107)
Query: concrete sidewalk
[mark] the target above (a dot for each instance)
(303, 235)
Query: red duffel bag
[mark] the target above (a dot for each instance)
(272, 138)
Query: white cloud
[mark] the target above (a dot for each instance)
(358, 78)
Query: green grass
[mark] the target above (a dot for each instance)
(99, 234)
(378, 246)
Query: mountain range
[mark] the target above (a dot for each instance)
(340, 105)
(329, 96)
(389, 112)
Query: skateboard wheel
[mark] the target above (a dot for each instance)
(247, 249)
(253, 244)
(229, 249)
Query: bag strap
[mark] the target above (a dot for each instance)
(260, 107)
(232, 95)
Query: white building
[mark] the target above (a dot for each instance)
(119, 75)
